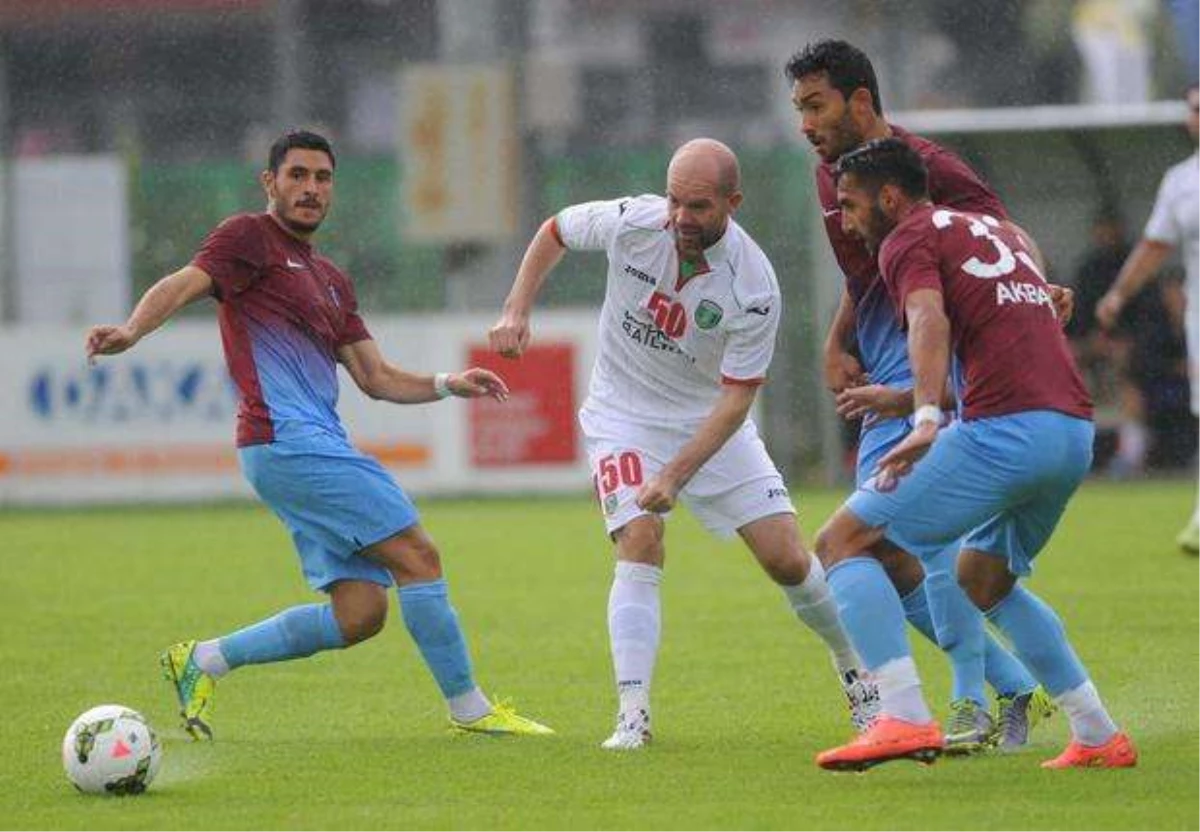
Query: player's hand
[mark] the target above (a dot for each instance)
(885, 402)
(842, 370)
(1109, 309)
(477, 382)
(899, 461)
(108, 340)
(658, 494)
(510, 335)
(1063, 298)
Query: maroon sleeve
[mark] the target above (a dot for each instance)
(233, 255)
(353, 328)
(954, 184)
(907, 263)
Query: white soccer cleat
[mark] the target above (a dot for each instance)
(633, 731)
(862, 695)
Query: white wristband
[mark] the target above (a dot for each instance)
(927, 413)
(441, 385)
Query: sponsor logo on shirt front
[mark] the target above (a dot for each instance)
(647, 334)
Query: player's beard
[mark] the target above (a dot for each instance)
(878, 227)
(299, 226)
(693, 248)
(843, 137)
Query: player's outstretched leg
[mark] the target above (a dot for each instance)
(775, 542)
(433, 624)
(193, 668)
(1189, 538)
(871, 613)
(1039, 638)
(634, 630)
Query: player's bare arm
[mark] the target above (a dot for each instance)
(730, 411)
(842, 369)
(884, 401)
(380, 379)
(157, 305)
(1143, 264)
(510, 335)
(929, 355)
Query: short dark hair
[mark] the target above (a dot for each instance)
(303, 139)
(847, 67)
(887, 162)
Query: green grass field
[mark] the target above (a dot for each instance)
(744, 697)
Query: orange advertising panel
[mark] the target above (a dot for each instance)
(536, 426)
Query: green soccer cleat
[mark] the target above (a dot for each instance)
(969, 729)
(193, 687)
(1189, 538)
(502, 721)
(1017, 715)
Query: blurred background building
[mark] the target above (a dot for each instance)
(128, 128)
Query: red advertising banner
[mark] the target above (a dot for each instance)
(536, 426)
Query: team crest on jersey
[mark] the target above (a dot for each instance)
(610, 504)
(708, 314)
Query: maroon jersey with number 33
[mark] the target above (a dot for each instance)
(1009, 341)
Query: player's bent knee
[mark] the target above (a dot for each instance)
(360, 611)
(985, 579)
(641, 541)
(361, 626)
(410, 556)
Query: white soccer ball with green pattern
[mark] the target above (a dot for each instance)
(111, 749)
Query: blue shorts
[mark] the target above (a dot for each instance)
(874, 443)
(1004, 482)
(335, 501)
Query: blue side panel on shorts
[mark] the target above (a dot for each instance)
(334, 500)
(874, 442)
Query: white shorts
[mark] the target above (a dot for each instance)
(738, 485)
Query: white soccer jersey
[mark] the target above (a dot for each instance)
(666, 344)
(1176, 220)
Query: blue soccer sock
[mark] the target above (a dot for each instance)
(960, 633)
(916, 610)
(292, 634)
(1004, 671)
(433, 624)
(869, 609)
(1036, 633)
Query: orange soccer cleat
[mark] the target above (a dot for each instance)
(887, 739)
(1118, 752)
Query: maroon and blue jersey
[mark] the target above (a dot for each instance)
(1006, 334)
(284, 312)
(952, 183)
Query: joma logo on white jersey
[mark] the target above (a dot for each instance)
(1010, 291)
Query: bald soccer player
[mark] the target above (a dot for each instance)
(686, 334)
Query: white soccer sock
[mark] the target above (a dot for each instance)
(469, 706)
(634, 628)
(814, 605)
(900, 691)
(1090, 722)
(209, 658)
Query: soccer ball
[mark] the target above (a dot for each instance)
(111, 749)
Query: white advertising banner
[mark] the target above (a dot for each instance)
(157, 424)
